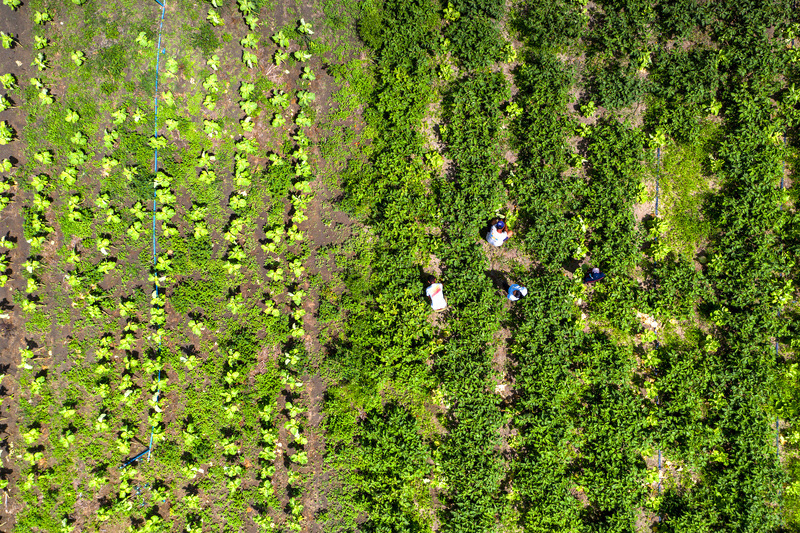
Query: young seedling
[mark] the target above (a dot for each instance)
(45, 97)
(280, 99)
(209, 177)
(280, 57)
(238, 202)
(171, 68)
(5, 103)
(69, 176)
(214, 18)
(42, 17)
(143, 40)
(79, 139)
(302, 56)
(9, 81)
(157, 143)
(109, 163)
(40, 61)
(7, 39)
(246, 90)
(278, 120)
(249, 58)
(213, 62)
(250, 41)
(248, 107)
(119, 116)
(72, 116)
(246, 6)
(44, 158)
(304, 98)
(211, 128)
(39, 42)
(308, 74)
(13, 4)
(210, 102)
(168, 98)
(280, 39)
(211, 83)
(248, 146)
(6, 133)
(109, 138)
(303, 120)
(252, 21)
(78, 57)
(77, 157)
(304, 27)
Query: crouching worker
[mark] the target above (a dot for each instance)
(515, 292)
(593, 276)
(498, 233)
(434, 292)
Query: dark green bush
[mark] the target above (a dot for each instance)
(205, 40)
(475, 41)
(617, 85)
(548, 24)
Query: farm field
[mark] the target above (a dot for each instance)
(218, 222)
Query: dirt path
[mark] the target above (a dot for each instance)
(16, 61)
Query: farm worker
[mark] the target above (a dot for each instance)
(434, 292)
(594, 275)
(515, 292)
(498, 233)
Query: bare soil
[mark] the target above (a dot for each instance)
(17, 60)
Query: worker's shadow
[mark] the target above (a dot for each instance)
(484, 231)
(498, 278)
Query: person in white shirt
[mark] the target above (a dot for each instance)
(435, 293)
(498, 233)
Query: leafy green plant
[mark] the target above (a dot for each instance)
(305, 98)
(249, 58)
(6, 133)
(214, 18)
(280, 57)
(302, 56)
(78, 57)
(40, 62)
(9, 81)
(42, 17)
(280, 39)
(304, 27)
(7, 39)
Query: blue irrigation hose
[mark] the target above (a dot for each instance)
(159, 51)
(135, 458)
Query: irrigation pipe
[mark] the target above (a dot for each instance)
(135, 458)
(159, 51)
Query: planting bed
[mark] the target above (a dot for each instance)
(219, 219)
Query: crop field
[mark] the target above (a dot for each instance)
(218, 222)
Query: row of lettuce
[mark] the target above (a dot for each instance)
(600, 397)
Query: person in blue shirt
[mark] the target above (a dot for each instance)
(593, 276)
(515, 292)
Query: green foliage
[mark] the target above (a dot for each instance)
(615, 154)
(545, 197)
(536, 19)
(475, 41)
(617, 85)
